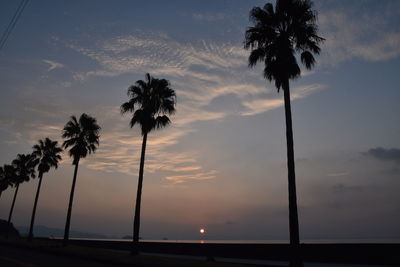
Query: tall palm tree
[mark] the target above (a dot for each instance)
(47, 154)
(150, 101)
(83, 138)
(23, 168)
(277, 36)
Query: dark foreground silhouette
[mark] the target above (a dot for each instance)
(49, 253)
(332, 253)
(18, 257)
(9, 228)
(118, 252)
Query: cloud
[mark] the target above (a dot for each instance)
(199, 72)
(262, 105)
(391, 154)
(341, 188)
(29, 131)
(161, 55)
(209, 17)
(177, 179)
(350, 34)
(120, 149)
(53, 65)
(188, 114)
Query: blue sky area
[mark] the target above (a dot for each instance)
(222, 163)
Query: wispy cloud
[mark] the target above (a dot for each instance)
(367, 36)
(200, 72)
(258, 106)
(53, 65)
(161, 55)
(209, 17)
(187, 177)
(120, 148)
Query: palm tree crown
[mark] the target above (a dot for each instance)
(82, 136)
(277, 35)
(149, 102)
(24, 167)
(47, 152)
(3, 181)
(6, 176)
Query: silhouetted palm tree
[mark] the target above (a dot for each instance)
(275, 39)
(23, 168)
(4, 183)
(83, 137)
(5, 177)
(150, 102)
(47, 154)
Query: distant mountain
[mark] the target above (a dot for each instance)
(44, 231)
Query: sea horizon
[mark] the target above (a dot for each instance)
(264, 241)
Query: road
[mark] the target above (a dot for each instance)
(18, 257)
(25, 257)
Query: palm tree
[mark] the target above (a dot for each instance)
(47, 153)
(275, 39)
(4, 182)
(5, 177)
(23, 168)
(150, 102)
(83, 138)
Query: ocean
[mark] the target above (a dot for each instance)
(305, 241)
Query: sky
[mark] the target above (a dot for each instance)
(221, 164)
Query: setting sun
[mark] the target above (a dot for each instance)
(250, 118)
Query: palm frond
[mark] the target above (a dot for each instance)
(307, 59)
(277, 35)
(83, 137)
(149, 99)
(162, 121)
(47, 154)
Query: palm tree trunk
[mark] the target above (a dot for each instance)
(30, 236)
(136, 221)
(11, 210)
(293, 217)
(71, 199)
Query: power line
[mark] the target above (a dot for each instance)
(12, 23)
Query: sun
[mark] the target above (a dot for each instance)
(202, 231)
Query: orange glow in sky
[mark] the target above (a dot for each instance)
(202, 231)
